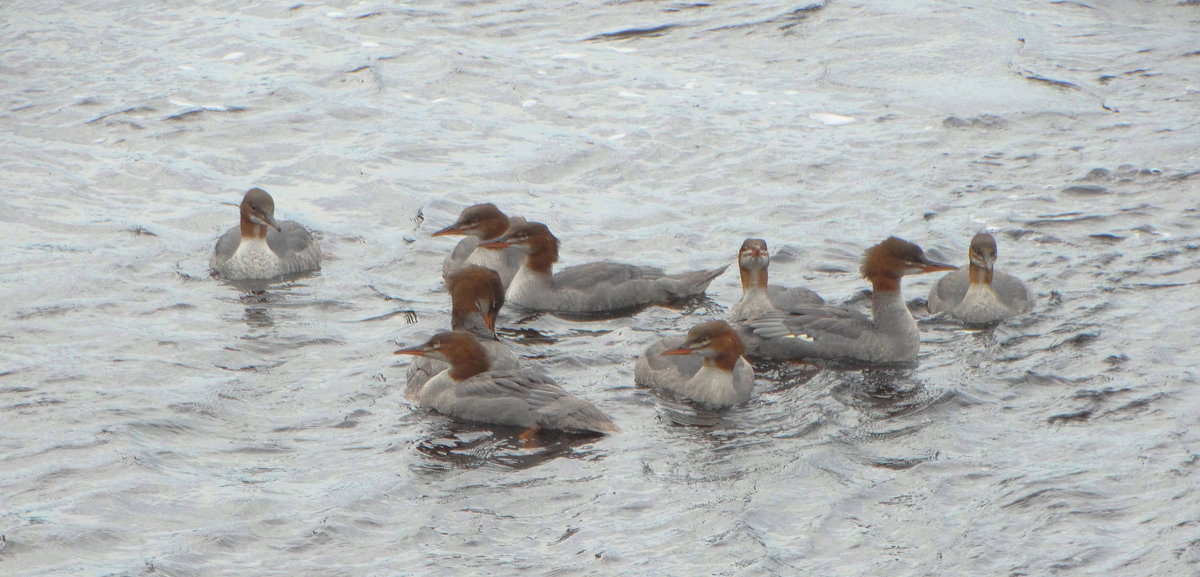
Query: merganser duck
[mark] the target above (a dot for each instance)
(471, 391)
(588, 288)
(759, 298)
(478, 223)
(979, 294)
(476, 296)
(826, 332)
(706, 367)
(252, 251)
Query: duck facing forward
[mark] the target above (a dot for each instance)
(980, 294)
(597, 287)
(476, 296)
(478, 223)
(259, 248)
(471, 391)
(890, 335)
(706, 367)
(759, 298)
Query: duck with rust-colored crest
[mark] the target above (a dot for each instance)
(889, 335)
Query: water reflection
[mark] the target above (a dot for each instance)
(262, 299)
(678, 411)
(784, 375)
(530, 336)
(886, 393)
(460, 445)
(258, 317)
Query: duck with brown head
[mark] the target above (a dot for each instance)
(706, 366)
(260, 248)
(890, 335)
(478, 223)
(472, 391)
(598, 287)
(980, 294)
(476, 297)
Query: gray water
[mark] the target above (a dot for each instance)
(156, 421)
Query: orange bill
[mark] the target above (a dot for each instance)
(677, 352)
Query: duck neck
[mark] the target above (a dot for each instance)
(493, 228)
(978, 274)
(533, 284)
(755, 301)
(753, 278)
(251, 229)
(723, 361)
(465, 366)
(888, 310)
(728, 350)
(543, 253)
(470, 320)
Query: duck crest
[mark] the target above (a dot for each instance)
(884, 263)
(721, 339)
(543, 250)
(465, 355)
(728, 356)
(470, 288)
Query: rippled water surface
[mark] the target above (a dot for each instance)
(159, 422)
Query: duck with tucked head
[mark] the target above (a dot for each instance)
(758, 297)
(470, 390)
(706, 367)
(890, 335)
(597, 287)
(476, 297)
(980, 294)
(259, 248)
(478, 223)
